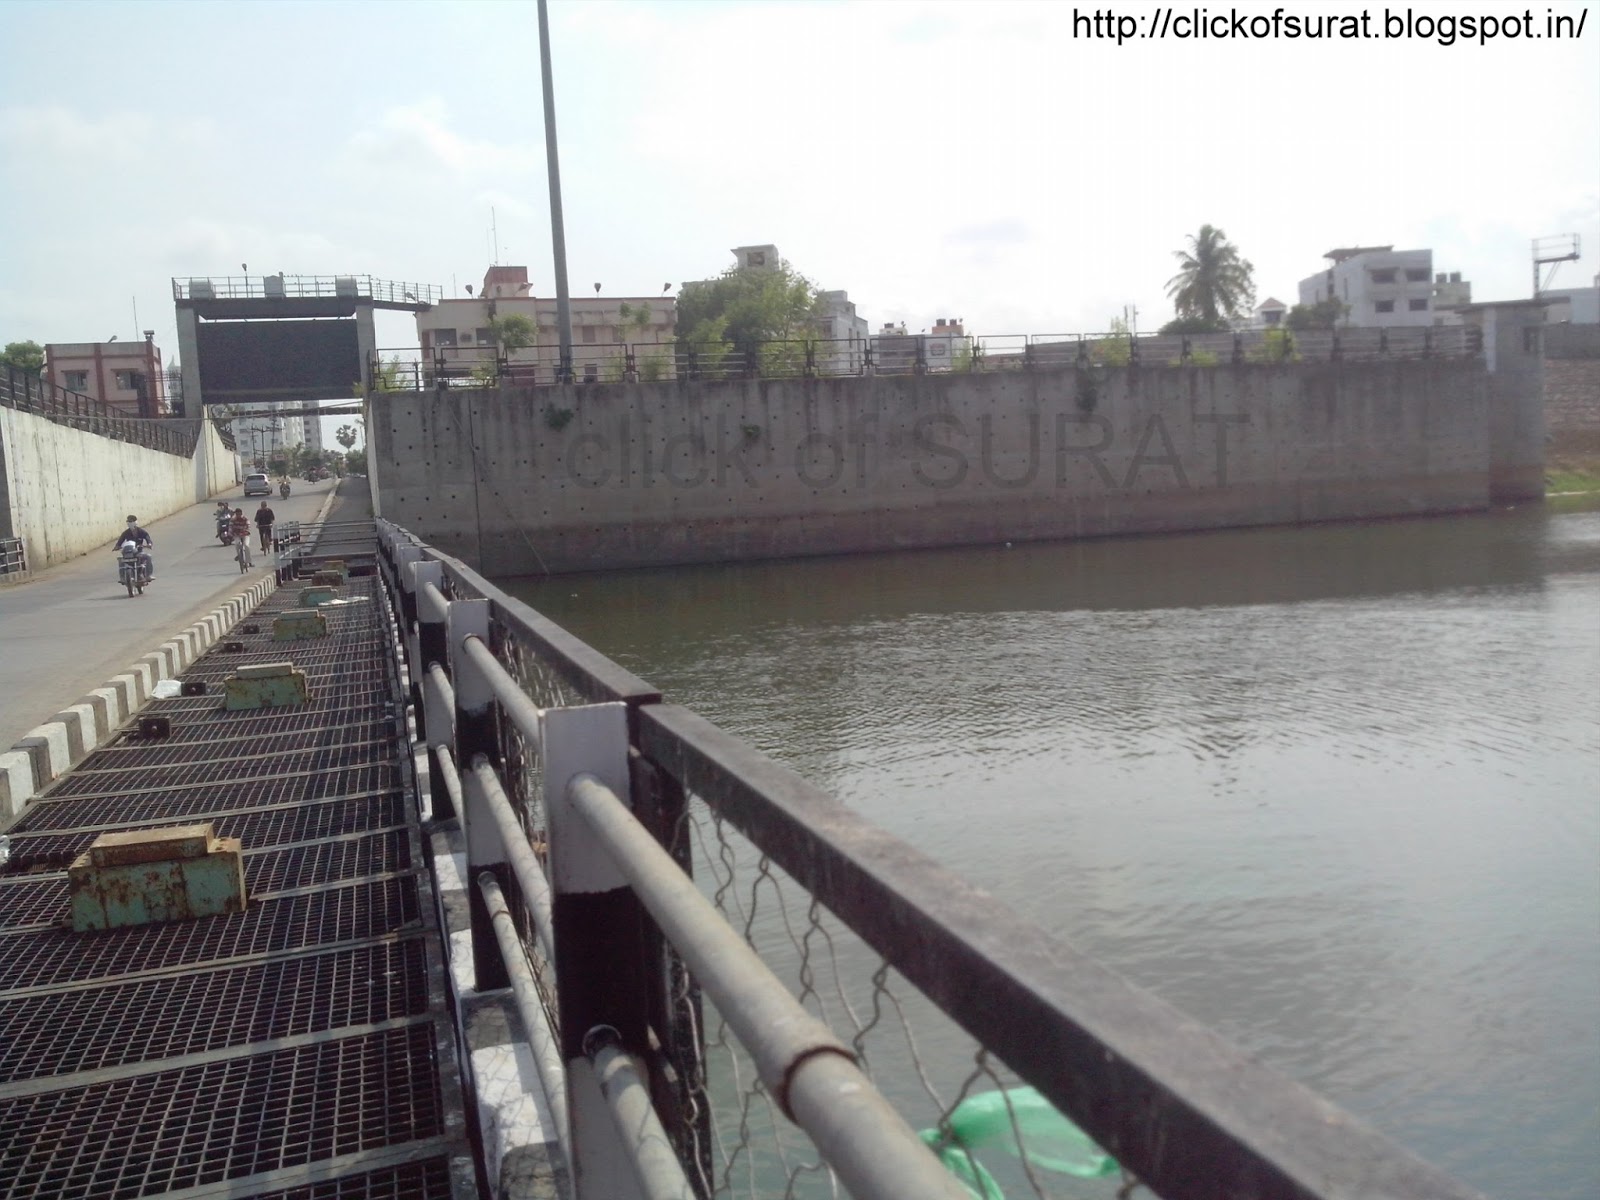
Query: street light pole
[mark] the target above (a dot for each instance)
(557, 231)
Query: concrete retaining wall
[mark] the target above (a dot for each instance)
(66, 491)
(600, 476)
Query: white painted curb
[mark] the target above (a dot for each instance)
(51, 749)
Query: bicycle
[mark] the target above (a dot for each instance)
(241, 555)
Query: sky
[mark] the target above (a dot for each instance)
(983, 160)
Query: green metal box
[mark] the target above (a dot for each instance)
(266, 685)
(141, 876)
(299, 625)
(312, 596)
(327, 576)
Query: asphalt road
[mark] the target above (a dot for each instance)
(72, 627)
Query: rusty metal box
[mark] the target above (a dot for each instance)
(147, 875)
(267, 685)
(328, 578)
(299, 625)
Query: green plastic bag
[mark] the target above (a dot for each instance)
(1050, 1142)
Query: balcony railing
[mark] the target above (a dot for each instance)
(306, 287)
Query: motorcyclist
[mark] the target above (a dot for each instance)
(223, 516)
(141, 541)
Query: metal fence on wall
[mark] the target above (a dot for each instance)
(874, 951)
(13, 558)
(905, 354)
(30, 392)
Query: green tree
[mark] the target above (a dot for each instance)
(750, 310)
(24, 356)
(636, 320)
(1215, 282)
(1193, 325)
(355, 461)
(1324, 314)
(346, 436)
(513, 331)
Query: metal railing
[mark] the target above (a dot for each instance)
(905, 354)
(306, 287)
(581, 794)
(32, 393)
(13, 557)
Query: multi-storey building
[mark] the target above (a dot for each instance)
(942, 348)
(843, 332)
(124, 375)
(1379, 285)
(458, 330)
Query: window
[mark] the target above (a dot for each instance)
(125, 380)
(588, 335)
(75, 381)
(1418, 305)
(1384, 306)
(1416, 275)
(756, 258)
(1384, 276)
(827, 329)
(444, 337)
(485, 336)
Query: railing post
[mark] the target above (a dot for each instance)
(601, 976)
(431, 645)
(477, 736)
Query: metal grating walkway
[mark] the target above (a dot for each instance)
(303, 1048)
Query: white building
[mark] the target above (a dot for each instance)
(943, 348)
(1379, 286)
(845, 333)
(604, 328)
(261, 430)
(1575, 306)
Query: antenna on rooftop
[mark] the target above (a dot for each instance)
(1553, 250)
(494, 228)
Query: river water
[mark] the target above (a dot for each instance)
(1334, 791)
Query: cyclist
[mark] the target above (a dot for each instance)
(264, 519)
(241, 539)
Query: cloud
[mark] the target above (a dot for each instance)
(57, 132)
(1007, 231)
(419, 135)
(200, 247)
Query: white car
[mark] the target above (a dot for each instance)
(257, 485)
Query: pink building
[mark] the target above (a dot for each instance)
(125, 375)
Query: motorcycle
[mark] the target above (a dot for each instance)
(225, 530)
(283, 489)
(133, 568)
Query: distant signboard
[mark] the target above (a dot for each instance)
(243, 361)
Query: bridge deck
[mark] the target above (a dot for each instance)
(302, 1048)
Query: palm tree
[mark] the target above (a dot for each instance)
(1215, 283)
